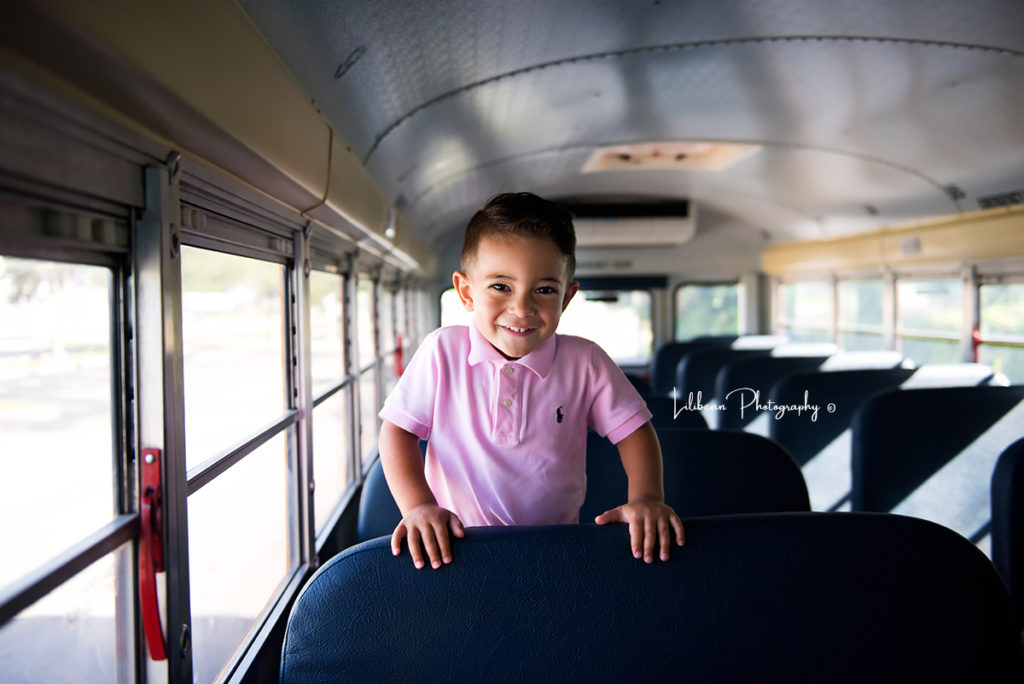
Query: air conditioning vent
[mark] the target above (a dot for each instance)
(633, 225)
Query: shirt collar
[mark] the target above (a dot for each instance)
(540, 360)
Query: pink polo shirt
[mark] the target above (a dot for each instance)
(507, 439)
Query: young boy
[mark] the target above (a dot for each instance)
(506, 402)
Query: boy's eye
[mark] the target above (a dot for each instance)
(500, 287)
(546, 289)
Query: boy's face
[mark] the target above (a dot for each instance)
(517, 290)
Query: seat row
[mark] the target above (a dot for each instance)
(925, 453)
(795, 597)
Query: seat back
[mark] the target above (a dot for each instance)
(378, 512)
(1008, 523)
(820, 439)
(789, 598)
(930, 452)
(706, 472)
(743, 385)
(639, 383)
(667, 356)
(696, 371)
(838, 394)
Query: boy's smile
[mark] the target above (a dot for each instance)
(516, 288)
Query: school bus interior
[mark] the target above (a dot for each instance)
(847, 174)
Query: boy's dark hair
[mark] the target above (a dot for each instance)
(521, 214)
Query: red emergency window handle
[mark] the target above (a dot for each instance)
(151, 551)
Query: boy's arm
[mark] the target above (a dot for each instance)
(424, 523)
(651, 522)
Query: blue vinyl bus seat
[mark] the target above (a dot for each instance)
(1008, 523)
(697, 370)
(930, 453)
(379, 514)
(843, 390)
(640, 383)
(743, 384)
(707, 472)
(798, 597)
(667, 357)
(822, 446)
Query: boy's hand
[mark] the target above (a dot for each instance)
(426, 529)
(651, 524)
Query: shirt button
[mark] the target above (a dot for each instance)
(508, 370)
(506, 403)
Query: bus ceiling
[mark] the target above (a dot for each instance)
(772, 122)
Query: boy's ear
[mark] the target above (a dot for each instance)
(570, 292)
(461, 282)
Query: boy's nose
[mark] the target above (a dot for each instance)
(523, 304)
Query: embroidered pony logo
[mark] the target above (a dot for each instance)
(558, 414)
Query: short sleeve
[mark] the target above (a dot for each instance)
(410, 405)
(616, 408)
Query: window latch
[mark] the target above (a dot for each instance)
(151, 551)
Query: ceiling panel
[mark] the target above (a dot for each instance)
(871, 112)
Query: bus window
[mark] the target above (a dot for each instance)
(238, 552)
(617, 320)
(929, 319)
(365, 328)
(76, 632)
(388, 341)
(805, 311)
(860, 323)
(332, 453)
(232, 318)
(1002, 329)
(234, 372)
(706, 309)
(327, 316)
(452, 311)
(55, 408)
(60, 456)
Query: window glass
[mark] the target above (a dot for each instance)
(364, 323)
(926, 307)
(56, 414)
(389, 368)
(929, 318)
(707, 310)
(402, 314)
(860, 315)
(79, 632)
(618, 320)
(332, 462)
(326, 319)
(805, 311)
(368, 420)
(452, 311)
(1002, 310)
(1008, 360)
(387, 320)
(860, 304)
(238, 552)
(233, 323)
(921, 350)
(1002, 329)
(860, 341)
